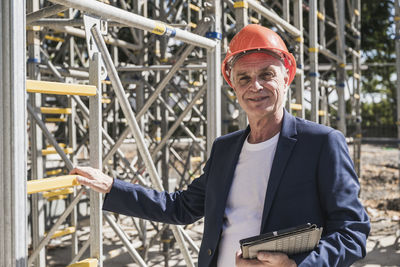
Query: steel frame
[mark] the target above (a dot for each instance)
(165, 94)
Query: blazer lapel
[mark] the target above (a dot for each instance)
(286, 142)
(231, 157)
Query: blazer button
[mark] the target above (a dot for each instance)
(209, 251)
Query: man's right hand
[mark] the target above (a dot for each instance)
(93, 178)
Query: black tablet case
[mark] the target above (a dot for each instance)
(290, 241)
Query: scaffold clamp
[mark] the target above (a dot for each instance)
(214, 35)
(90, 22)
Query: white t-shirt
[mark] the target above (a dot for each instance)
(246, 198)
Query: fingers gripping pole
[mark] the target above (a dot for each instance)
(119, 91)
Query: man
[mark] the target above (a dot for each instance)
(280, 172)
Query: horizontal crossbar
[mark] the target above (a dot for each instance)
(61, 192)
(63, 232)
(51, 150)
(53, 183)
(60, 197)
(53, 172)
(57, 88)
(295, 106)
(51, 110)
(55, 120)
(85, 263)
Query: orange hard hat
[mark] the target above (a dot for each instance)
(254, 37)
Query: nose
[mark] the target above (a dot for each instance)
(256, 86)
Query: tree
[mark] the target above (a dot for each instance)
(378, 47)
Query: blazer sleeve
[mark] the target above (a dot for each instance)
(347, 225)
(180, 207)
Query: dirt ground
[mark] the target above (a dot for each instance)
(380, 194)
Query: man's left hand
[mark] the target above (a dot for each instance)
(265, 259)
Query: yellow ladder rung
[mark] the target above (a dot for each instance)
(105, 100)
(54, 172)
(61, 192)
(254, 20)
(85, 263)
(52, 150)
(195, 159)
(295, 106)
(53, 183)
(66, 231)
(60, 144)
(56, 198)
(56, 88)
(51, 110)
(55, 120)
(194, 7)
(195, 83)
(53, 38)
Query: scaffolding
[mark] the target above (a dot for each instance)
(102, 75)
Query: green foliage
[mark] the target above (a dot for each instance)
(377, 114)
(378, 47)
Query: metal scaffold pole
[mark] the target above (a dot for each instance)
(357, 88)
(341, 72)
(214, 76)
(299, 79)
(241, 14)
(13, 143)
(133, 20)
(313, 53)
(36, 139)
(397, 19)
(95, 140)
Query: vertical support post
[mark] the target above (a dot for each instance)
(96, 242)
(340, 70)
(165, 174)
(13, 145)
(357, 88)
(299, 79)
(313, 50)
(397, 10)
(214, 79)
(322, 39)
(72, 142)
(324, 105)
(286, 17)
(36, 140)
(242, 19)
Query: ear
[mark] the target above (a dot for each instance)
(286, 79)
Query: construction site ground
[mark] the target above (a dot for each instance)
(380, 194)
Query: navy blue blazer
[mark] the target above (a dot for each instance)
(312, 180)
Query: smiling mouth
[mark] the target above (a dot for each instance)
(257, 99)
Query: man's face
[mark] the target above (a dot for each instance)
(260, 84)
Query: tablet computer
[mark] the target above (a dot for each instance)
(290, 241)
